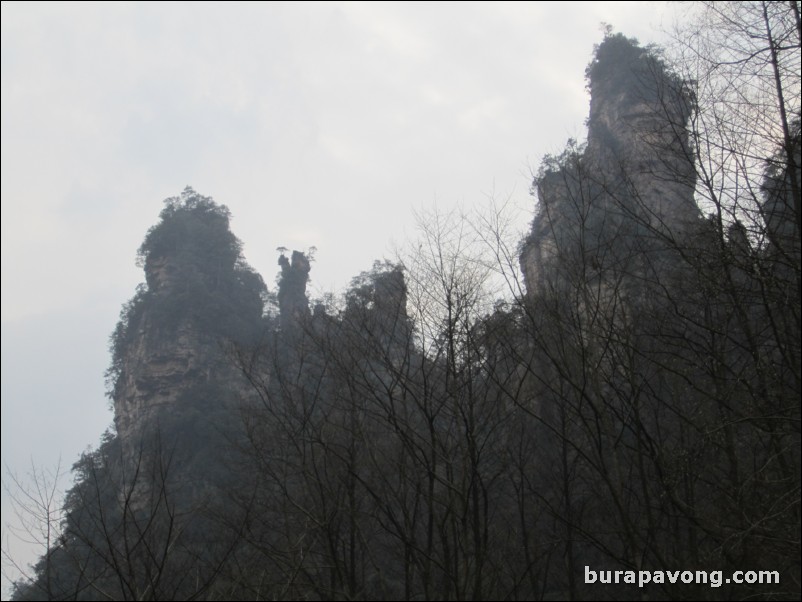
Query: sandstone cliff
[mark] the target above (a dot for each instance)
(173, 371)
(634, 178)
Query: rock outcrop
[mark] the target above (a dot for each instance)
(173, 371)
(292, 300)
(634, 178)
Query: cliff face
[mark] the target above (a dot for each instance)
(633, 179)
(156, 370)
(172, 371)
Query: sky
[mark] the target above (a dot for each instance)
(317, 124)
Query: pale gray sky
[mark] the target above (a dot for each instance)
(317, 124)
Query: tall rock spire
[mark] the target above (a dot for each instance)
(633, 180)
(169, 366)
(292, 299)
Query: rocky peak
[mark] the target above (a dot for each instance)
(633, 179)
(199, 296)
(632, 93)
(292, 299)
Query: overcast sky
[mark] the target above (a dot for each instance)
(316, 124)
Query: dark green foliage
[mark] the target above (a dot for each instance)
(123, 335)
(622, 67)
(193, 229)
(195, 275)
(193, 260)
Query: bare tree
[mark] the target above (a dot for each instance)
(36, 502)
(743, 60)
(659, 367)
(127, 531)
